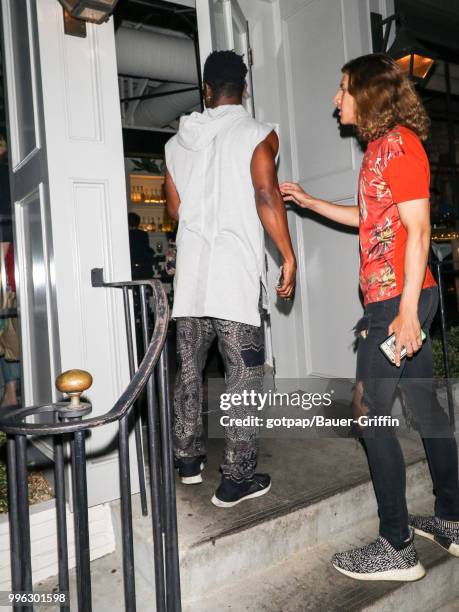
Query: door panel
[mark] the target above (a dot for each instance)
(319, 37)
(29, 192)
(222, 26)
(220, 40)
(69, 193)
(22, 90)
(33, 284)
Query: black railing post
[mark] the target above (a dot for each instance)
(23, 515)
(170, 509)
(13, 513)
(80, 512)
(74, 383)
(61, 519)
(154, 454)
(137, 417)
(126, 516)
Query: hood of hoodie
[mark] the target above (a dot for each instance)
(198, 130)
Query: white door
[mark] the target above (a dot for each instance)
(318, 38)
(221, 26)
(30, 194)
(71, 215)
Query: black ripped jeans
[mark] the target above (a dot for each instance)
(377, 383)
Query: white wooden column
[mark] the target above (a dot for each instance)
(87, 194)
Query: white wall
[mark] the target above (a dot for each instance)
(268, 77)
(299, 47)
(88, 217)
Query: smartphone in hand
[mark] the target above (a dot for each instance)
(388, 347)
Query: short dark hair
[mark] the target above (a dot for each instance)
(225, 72)
(133, 219)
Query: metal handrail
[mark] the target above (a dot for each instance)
(162, 477)
(11, 418)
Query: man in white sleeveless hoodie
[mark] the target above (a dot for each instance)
(221, 184)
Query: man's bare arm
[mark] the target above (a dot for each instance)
(172, 197)
(347, 215)
(271, 209)
(415, 216)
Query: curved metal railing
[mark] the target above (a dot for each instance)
(68, 422)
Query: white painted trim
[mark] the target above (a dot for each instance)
(301, 261)
(26, 348)
(9, 69)
(204, 29)
(47, 263)
(43, 536)
(16, 160)
(228, 21)
(41, 445)
(33, 70)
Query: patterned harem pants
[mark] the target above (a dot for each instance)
(242, 349)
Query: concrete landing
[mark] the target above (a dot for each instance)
(321, 488)
(303, 473)
(307, 583)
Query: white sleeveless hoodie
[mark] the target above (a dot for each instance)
(220, 239)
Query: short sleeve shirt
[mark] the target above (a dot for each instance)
(395, 169)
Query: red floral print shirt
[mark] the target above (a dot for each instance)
(394, 169)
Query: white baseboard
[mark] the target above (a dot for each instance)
(44, 540)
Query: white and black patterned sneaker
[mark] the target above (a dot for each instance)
(189, 469)
(231, 493)
(380, 561)
(443, 533)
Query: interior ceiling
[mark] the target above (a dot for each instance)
(166, 18)
(158, 14)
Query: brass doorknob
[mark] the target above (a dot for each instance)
(74, 383)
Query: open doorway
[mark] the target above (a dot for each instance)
(159, 57)
(159, 75)
(159, 80)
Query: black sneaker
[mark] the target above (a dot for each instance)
(231, 493)
(380, 561)
(443, 533)
(190, 468)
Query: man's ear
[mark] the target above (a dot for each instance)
(245, 91)
(207, 90)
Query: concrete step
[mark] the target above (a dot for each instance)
(321, 490)
(308, 582)
(277, 531)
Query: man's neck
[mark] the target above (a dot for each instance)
(227, 100)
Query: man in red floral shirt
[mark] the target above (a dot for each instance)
(395, 169)
(401, 298)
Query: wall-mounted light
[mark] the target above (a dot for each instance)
(94, 11)
(412, 57)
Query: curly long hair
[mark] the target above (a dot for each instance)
(384, 97)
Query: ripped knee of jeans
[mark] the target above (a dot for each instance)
(362, 327)
(360, 405)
